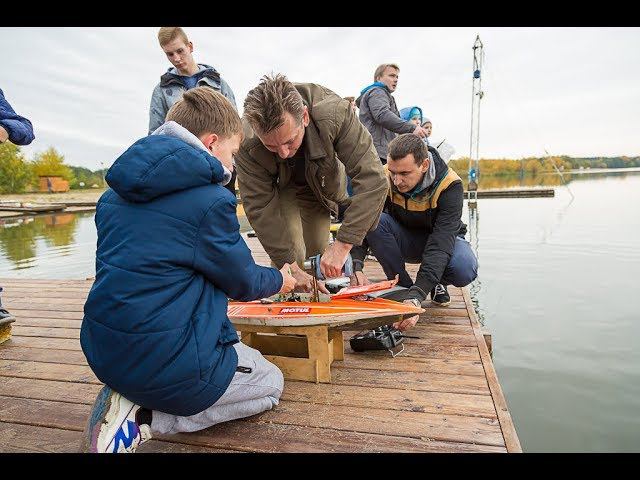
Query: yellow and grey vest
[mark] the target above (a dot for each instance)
(425, 200)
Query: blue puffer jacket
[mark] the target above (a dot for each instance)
(169, 253)
(20, 129)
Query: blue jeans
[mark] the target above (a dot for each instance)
(393, 245)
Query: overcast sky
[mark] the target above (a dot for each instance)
(573, 91)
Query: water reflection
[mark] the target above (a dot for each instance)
(549, 179)
(18, 236)
(473, 236)
(39, 244)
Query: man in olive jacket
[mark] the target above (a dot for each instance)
(300, 138)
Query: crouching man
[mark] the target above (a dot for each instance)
(421, 223)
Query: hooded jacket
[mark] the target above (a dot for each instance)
(19, 129)
(169, 253)
(436, 211)
(172, 86)
(335, 142)
(379, 114)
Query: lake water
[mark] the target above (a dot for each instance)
(556, 289)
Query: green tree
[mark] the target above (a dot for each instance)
(15, 173)
(51, 164)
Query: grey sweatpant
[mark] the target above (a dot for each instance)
(247, 394)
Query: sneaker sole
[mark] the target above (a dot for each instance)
(96, 419)
(443, 304)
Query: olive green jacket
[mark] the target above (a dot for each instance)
(335, 142)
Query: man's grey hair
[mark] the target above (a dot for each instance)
(381, 68)
(266, 104)
(407, 143)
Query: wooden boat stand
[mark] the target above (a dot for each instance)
(301, 352)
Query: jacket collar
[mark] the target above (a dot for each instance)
(312, 141)
(171, 77)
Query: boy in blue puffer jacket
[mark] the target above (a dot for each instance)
(169, 254)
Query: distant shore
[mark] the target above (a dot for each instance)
(88, 195)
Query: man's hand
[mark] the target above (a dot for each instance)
(288, 281)
(407, 323)
(4, 135)
(358, 278)
(304, 281)
(421, 132)
(333, 259)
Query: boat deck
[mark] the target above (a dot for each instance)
(440, 395)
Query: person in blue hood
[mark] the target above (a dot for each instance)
(169, 254)
(412, 114)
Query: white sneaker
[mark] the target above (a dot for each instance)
(112, 425)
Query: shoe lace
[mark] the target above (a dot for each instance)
(440, 289)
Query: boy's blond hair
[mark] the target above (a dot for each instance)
(203, 110)
(168, 34)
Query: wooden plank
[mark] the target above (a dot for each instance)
(57, 290)
(276, 438)
(58, 391)
(12, 352)
(48, 322)
(419, 426)
(27, 312)
(504, 417)
(434, 402)
(43, 281)
(445, 312)
(20, 331)
(424, 351)
(433, 382)
(37, 342)
(462, 321)
(402, 363)
(450, 428)
(21, 304)
(47, 371)
(409, 400)
(19, 438)
(37, 299)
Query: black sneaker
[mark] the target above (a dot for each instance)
(440, 296)
(5, 315)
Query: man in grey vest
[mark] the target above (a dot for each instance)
(379, 113)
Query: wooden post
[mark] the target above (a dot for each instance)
(318, 342)
(487, 339)
(338, 344)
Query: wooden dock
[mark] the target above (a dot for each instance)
(440, 395)
(513, 193)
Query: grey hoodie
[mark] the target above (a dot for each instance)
(380, 115)
(171, 88)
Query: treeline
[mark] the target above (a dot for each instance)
(535, 165)
(19, 174)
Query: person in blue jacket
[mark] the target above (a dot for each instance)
(19, 131)
(169, 254)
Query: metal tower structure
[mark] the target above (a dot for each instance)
(476, 97)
